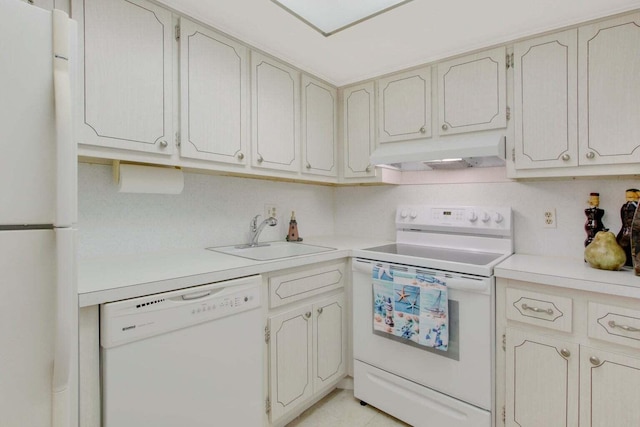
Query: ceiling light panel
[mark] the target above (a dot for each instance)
(330, 16)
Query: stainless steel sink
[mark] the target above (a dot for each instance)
(271, 250)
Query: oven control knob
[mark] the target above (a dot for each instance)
(413, 214)
(497, 217)
(403, 214)
(471, 216)
(485, 217)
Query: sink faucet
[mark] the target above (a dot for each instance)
(256, 229)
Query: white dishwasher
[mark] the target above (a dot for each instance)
(191, 357)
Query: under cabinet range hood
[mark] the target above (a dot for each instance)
(485, 149)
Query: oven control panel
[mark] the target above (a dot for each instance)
(490, 220)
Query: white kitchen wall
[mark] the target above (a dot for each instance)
(216, 210)
(211, 211)
(369, 211)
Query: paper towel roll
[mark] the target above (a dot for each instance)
(150, 180)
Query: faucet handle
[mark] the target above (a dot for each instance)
(254, 223)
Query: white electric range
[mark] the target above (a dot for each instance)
(398, 367)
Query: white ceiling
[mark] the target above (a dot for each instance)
(418, 32)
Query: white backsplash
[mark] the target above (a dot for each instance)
(216, 210)
(211, 211)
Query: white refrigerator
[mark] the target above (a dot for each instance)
(38, 211)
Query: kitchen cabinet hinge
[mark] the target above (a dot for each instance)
(504, 415)
(177, 32)
(513, 154)
(509, 60)
(177, 139)
(267, 334)
(267, 405)
(504, 336)
(508, 113)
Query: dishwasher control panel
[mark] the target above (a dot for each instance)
(130, 320)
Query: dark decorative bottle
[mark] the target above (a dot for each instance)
(626, 215)
(594, 218)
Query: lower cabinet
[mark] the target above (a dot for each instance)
(307, 342)
(580, 375)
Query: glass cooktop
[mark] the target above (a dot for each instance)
(436, 253)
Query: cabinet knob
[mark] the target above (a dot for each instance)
(240, 156)
(591, 155)
(260, 159)
(164, 144)
(445, 127)
(307, 314)
(308, 165)
(594, 360)
(423, 130)
(566, 157)
(320, 310)
(368, 168)
(565, 353)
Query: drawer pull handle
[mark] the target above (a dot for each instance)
(549, 311)
(307, 314)
(594, 361)
(565, 353)
(613, 324)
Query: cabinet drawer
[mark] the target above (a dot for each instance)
(614, 324)
(287, 288)
(547, 311)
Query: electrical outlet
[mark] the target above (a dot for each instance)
(550, 218)
(270, 209)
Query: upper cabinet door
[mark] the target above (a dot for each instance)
(275, 114)
(214, 96)
(545, 119)
(609, 91)
(319, 127)
(127, 75)
(404, 106)
(358, 125)
(472, 93)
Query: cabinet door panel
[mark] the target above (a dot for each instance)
(126, 70)
(358, 130)
(541, 382)
(404, 106)
(319, 127)
(545, 80)
(610, 389)
(472, 92)
(609, 89)
(275, 114)
(330, 341)
(214, 89)
(290, 360)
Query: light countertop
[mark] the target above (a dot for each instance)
(569, 273)
(115, 278)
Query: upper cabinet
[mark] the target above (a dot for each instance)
(319, 128)
(404, 106)
(609, 90)
(125, 75)
(545, 101)
(359, 128)
(275, 114)
(214, 96)
(472, 93)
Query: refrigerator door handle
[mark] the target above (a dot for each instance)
(64, 395)
(66, 153)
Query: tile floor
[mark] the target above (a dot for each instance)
(340, 409)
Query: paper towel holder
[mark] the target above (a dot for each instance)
(115, 168)
(147, 178)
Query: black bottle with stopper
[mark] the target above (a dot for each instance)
(626, 216)
(594, 218)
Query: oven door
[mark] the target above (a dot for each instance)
(465, 370)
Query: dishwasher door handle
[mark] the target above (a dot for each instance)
(196, 295)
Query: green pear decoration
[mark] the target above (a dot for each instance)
(604, 252)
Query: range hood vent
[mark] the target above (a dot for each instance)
(486, 149)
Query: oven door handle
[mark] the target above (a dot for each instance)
(467, 284)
